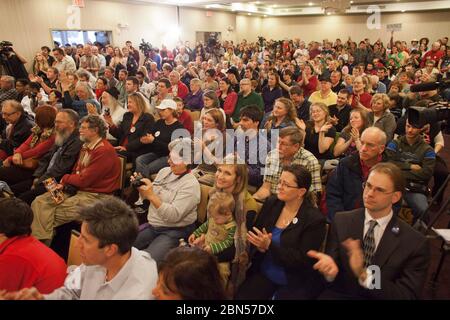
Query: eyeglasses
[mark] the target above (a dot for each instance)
(285, 185)
(376, 190)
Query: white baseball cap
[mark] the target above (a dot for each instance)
(167, 104)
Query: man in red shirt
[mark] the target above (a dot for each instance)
(95, 176)
(25, 261)
(434, 54)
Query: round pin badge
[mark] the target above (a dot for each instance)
(157, 133)
(294, 221)
(133, 129)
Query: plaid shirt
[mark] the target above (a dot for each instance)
(303, 157)
(10, 94)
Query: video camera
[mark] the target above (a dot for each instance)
(434, 112)
(146, 48)
(6, 46)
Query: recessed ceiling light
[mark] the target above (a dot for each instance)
(249, 14)
(351, 2)
(403, 10)
(258, 2)
(328, 13)
(274, 6)
(310, 3)
(265, 16)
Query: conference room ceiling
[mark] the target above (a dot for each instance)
(306, 7)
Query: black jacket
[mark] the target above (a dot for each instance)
(20, 132)
(64, 162)
(143, 126)
(403, 256)
(296, 240)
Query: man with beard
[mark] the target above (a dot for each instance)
(58, 161)
(94, 177)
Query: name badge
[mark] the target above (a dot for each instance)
(157, 133)
(133, 129)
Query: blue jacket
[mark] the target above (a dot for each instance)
(344, 188)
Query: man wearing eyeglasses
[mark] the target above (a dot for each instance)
(371, 254)
(344, 188)
(17, 128)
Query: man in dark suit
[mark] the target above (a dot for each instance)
(372, 254)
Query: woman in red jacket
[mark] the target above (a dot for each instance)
(227, 97)
(20, 166)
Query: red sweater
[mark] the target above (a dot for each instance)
(432, 55)
(26, 262)
(230, 102)
(185, 119)
(310, 87)
(37, 151)
(102, 172)
(364, 98)
(183, 90)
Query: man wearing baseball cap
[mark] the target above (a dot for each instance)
(325, 94)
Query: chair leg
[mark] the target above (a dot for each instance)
(441, 263)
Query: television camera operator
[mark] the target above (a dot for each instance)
(214, 48)
(12, 63)
(431, 112)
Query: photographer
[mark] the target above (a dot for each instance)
(11, 62)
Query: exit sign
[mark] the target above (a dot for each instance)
(78, 3)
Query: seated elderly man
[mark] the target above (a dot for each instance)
(58, 161)
(17, 128)
(95, 175)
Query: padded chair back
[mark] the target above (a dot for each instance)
(204, 196)
(74, 257)
(123, 165)
(195, 115)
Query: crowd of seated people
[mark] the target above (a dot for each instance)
(315, 133)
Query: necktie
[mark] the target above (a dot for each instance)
(369, 244)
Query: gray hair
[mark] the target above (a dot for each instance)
(95, 122)
(8, 79)
(74, 117)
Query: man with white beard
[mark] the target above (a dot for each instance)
(58, 161)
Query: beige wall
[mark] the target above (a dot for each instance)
(27, 23)
(415, 25)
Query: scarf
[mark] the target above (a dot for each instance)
(39, 135)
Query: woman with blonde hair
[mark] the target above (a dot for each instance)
(232, 177)
(319, 132)
(348, 142)
(40, 65)
(212, 140)
(381, 117)
(136, 123)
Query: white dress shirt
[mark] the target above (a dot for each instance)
(134, 281)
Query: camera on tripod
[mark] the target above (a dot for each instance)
(436, 112)
(5, 47)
